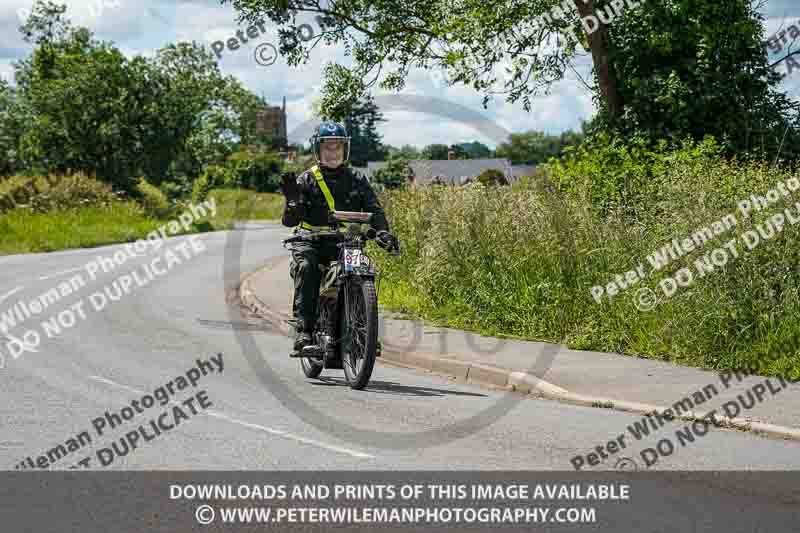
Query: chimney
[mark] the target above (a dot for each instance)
(451, 155)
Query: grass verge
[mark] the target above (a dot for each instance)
(24, 231)
(241, 204)
(521, 261)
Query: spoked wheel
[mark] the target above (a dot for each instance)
(359, 332)
(312, 366)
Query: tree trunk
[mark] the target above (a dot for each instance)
(598, 45)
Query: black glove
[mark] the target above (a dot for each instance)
(388, 242)
(289, 187)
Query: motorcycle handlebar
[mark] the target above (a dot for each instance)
(370, 234)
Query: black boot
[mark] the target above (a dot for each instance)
(302, 340)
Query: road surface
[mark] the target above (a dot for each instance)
(158, 331)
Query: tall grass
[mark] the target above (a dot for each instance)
(522, 260)
(26, 231)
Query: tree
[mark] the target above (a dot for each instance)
(435, 152)
(469, 39)
(85, 107)
(655, 63)
(698, 68)
(474, 150)
(406, 151)
(362, 126)
(535, 147)
(393, 175)
(12, 122)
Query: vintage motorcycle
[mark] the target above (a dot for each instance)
(346, 332)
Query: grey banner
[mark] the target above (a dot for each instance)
(172, 502)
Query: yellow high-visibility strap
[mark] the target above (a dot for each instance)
(305, 225)
(328, 198)
(324, 186)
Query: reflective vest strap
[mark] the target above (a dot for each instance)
(324, 187)
(328, 198)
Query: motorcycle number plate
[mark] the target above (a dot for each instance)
(354, 260)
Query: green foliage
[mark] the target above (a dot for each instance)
(12, 118)
(81, 105)
(362, 126)
(492, 176)
(212, 177)
(238, 204)
(52, 192)
(259, 171)
(154, 202)
(535, 147)
(25, 231)
(73, 191)
(621, 175)
(393, 175)
(696, 69)
(404, 152)
(522, 260)
(435, 152)
(473, 150)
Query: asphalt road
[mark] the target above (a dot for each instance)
(155, 333)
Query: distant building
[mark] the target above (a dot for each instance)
(451, 171)
(522, 170)
(272, 121)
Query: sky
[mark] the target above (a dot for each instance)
(143, 26)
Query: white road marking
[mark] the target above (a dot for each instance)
(57, 274)
(271, 431)
(11, 293)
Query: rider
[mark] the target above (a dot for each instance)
(330, 185)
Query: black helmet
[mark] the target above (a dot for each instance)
(330, 130)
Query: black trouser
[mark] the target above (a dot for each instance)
(306, 258)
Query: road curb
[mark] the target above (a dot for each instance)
(522, 382)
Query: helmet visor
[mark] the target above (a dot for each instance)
(332, 152)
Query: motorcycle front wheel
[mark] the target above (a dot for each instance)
(359, 331)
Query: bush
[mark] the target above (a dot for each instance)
(52, 192)
(393, 175)
(625, 175)
(177, 188)
(213, 177)
(74, 191)
(254, 170)
(154, 202)
(492, 176)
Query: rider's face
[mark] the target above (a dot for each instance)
(331, 152)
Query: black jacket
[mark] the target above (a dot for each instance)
(350, 191)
